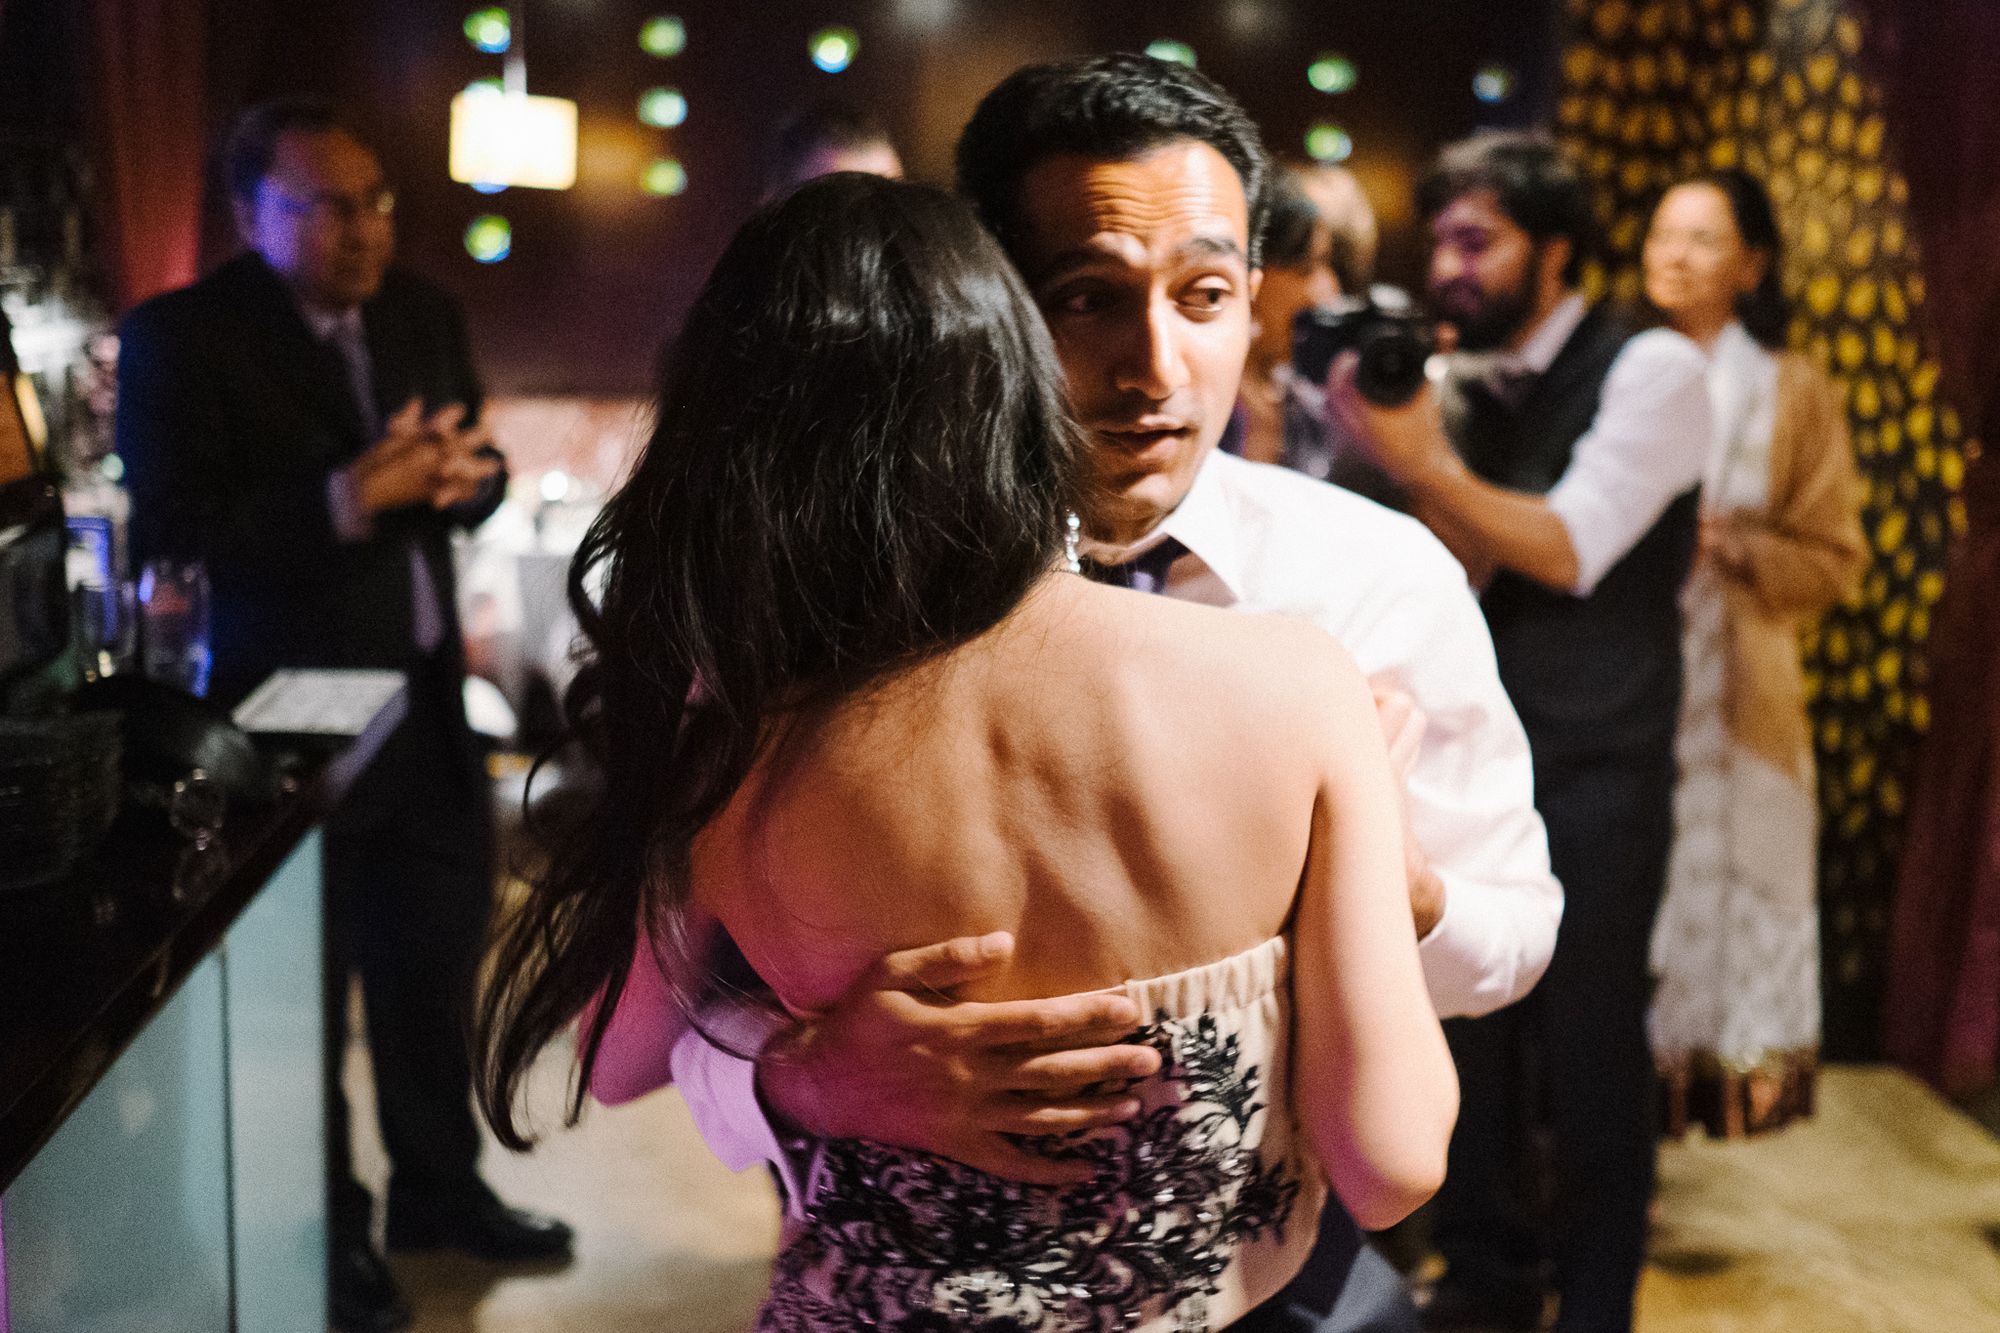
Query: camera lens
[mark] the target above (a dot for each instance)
(1392, 364)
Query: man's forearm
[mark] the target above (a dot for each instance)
(1489, 524)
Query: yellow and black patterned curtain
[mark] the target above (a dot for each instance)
(1658, 90)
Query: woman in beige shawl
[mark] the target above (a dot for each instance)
(1736, 1019)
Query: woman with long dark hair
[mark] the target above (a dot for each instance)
(1735, 1022)
(846, 698)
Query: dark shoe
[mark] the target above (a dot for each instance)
(475, 1221)
(1460, 1308)
(362, 1293)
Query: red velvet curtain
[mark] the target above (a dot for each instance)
(1939, 65)
(148, 89)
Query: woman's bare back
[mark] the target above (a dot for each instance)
(1124, 782)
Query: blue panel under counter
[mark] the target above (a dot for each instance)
(272, 963)
(122, 1220)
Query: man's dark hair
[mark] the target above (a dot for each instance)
(862, 458)
(1113, 108)
(1535, 184)
(827, 127)
(253, 138)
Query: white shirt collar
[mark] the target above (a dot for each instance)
(1202, 522)
(328, 324)
(1735, 347)
(1538, 353)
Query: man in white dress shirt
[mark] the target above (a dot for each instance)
(1561, 464)
(1128, 191)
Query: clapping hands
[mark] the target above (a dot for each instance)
(434, 460)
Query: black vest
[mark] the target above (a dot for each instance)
(1599, 677)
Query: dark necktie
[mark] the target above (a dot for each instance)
(351, 342)
(349, 339)
(1145, 573)
(1509, 386)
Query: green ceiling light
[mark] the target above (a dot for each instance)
(489, 239)
(663, 35)
(662, 108)
(1326, 142)
(664, 177)
(833, 49)
(489, 30)
(1493, 84)
(1332, 73)
(1166, 48)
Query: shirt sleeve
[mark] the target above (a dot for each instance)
(343, 502)
(712, 1059)
(718, 1080)
(1470, 792)
(1648, 444)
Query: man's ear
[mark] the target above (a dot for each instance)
(244, 211)
(1256, 282)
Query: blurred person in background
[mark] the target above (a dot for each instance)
(1350, 219)
(1735, 1021)
(1283, 419)
(1319, 246)
(1560, 463)
(305, 421)
(829, 137)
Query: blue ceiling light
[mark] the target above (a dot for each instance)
(1493, 84)
(833, 49)
(662, 108)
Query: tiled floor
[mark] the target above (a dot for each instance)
(1881, 1216)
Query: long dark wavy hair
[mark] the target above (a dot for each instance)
(862, 458)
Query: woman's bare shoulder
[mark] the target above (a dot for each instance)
(1267, 662)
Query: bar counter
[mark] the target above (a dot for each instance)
(160, 1067)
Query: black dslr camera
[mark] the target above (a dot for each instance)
(1394, 342)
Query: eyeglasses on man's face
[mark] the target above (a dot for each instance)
(327, 208)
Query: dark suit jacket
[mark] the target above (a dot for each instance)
(231, 418)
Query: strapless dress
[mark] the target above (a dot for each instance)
(1202, 1207)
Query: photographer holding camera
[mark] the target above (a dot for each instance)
(1560, 463)
(1317, 299)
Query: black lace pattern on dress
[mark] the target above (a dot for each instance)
(900, 1240)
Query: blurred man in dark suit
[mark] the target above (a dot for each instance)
(305, 421)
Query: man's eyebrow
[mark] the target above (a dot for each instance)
(1076, 257)
(1211, 247)
(1087, 256)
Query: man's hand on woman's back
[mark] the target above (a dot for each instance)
(898, 1060)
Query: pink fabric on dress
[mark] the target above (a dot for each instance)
(636, 1054)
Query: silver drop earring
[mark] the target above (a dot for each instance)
(1072, 534)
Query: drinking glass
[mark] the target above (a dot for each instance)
(101, 621)
(174, 624)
